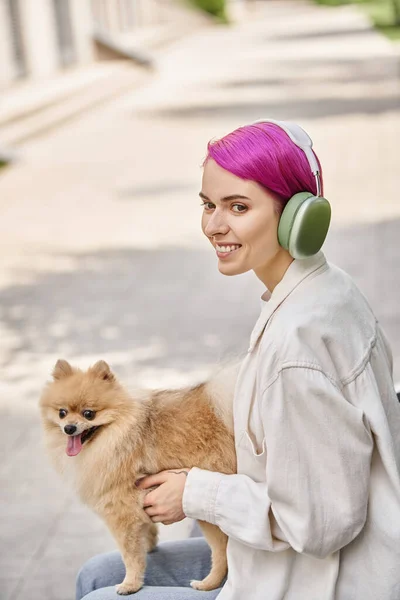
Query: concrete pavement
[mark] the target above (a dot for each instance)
(101, 253)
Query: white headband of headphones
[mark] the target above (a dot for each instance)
(303, 141)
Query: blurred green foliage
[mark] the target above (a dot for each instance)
(214, 7)
(384, 14)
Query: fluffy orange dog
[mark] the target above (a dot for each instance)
(105, 439)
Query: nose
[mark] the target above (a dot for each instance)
(70, 429)
(215, 224)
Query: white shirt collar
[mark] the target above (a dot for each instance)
(296, 273)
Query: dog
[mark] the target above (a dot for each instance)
(104, 439)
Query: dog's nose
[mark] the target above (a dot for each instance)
(70, 429)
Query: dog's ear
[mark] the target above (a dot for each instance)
(102, 371)
(62, 369)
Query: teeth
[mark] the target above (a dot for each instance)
(227, 248)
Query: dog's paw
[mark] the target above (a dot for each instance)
(201, 585)
(126, 588)
(194, 583)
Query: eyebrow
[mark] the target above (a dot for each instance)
(225, 198)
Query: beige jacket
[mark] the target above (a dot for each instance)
(314, 511)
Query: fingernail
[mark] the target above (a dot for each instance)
(137, 482)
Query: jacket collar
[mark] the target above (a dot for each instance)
(297, 272)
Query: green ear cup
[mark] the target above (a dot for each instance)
(304, 224)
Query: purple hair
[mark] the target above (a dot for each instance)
(264, 153)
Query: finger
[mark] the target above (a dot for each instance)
(151, 480)
(157, 519)
(179, 471)
(151, 511)
(149, 500)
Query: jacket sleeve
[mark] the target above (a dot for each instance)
(315, 496)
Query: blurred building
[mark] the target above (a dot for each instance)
(39, 38)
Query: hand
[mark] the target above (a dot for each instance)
(164, 504)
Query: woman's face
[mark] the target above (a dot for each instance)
(241, 221)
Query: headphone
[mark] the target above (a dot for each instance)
(305, 220)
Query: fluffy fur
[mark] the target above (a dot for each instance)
(143, 433)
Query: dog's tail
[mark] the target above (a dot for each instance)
(221, 388)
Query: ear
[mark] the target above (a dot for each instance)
(62, 369)
(102, 371)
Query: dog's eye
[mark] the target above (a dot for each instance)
(89, 414)
(62, 413)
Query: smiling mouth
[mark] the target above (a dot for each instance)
(223, 251)
(75, 442)
(88, 433)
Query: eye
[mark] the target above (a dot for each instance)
(239, 207)
(89, 414)
(208, 205)
(62, 413)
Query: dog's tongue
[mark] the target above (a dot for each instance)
(74, 445)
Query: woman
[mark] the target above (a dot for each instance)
(314, 511)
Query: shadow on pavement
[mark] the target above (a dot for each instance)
(315, 35)
(169, 306)
(297, 109)
(319, 71)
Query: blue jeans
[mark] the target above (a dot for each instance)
(170, 568)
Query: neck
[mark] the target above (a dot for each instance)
(273, 271)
